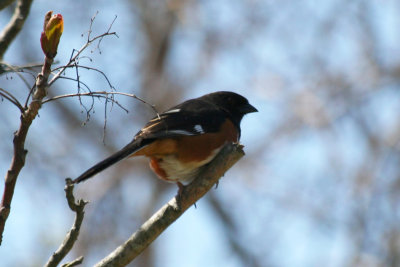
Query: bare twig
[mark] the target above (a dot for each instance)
(14, 26)
(108, 30)
(75, 80)
(74, 58)
(74, 63)
(171, 211)
(99, 71)
(72, 235)
(7, 95)
(5, 67)
(17, 71)
(91, 25)
(103, 94)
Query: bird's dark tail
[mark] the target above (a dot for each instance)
(114, 158)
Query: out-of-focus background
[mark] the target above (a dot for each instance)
(319, 185)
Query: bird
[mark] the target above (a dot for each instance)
(184, 138)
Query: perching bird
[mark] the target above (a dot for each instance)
(184, 138)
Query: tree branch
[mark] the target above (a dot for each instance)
(5, 3)
(18, 160)
(72, 235)
(171, 211)
(7, 95)
(21, 12)
(5, 67)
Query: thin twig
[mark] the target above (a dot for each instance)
(5, 67)
(72, 235)
(99, 71)
(103, 94)
(74, 58)
(91, 94)
(91, 25)
(108, 30)
(75, 80)
(171, 211)
(7, 95)
(17, 71)
(29, 96)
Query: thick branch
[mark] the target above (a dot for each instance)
(11, 30)
(72, 235)
(171, 211)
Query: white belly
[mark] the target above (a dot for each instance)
(183, 172)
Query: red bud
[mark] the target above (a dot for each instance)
(52, 30)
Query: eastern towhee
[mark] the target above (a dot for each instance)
(185, 137)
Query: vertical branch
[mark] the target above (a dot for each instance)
(18, 160)
(50, 37)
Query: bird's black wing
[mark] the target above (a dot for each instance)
(192, 117)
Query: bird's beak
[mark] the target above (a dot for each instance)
(248, 109)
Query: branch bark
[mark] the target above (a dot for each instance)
(171, 211)
(8, 34)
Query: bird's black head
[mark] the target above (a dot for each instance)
(234, 104)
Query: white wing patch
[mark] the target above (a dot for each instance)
(181, 132)
(198, 128)
(176, 110)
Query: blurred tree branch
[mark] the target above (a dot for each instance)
(171, 211)
(16, 23)
(238, 248)
(5, 3)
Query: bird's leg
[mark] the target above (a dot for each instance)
(181, 188)
(180, 191)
